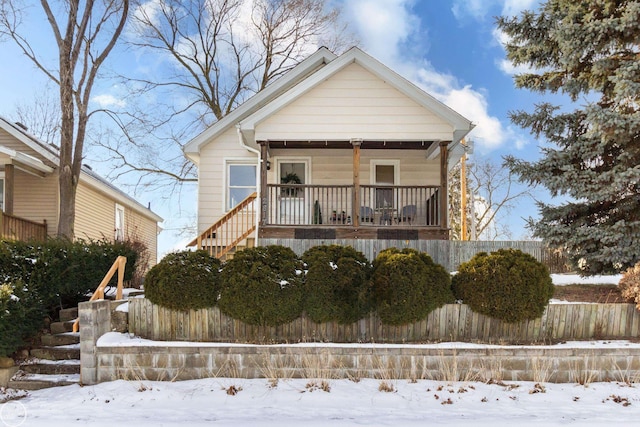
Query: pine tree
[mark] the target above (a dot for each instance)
(590, 51)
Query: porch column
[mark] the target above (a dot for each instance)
(264, 204)
(355, 197)
(444, 172)
(8, 188)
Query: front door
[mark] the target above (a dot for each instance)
(293, 207)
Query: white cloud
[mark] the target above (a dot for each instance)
(106, 100)
(482, 9)
(514, 7)
(383, 26)
(476, 9)
(400, 26)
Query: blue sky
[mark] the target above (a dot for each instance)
(449, 48)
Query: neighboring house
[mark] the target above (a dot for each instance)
(341, 147)
(30, 202)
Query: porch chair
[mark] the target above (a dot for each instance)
(408, 214)
(366, 214)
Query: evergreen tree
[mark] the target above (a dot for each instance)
(590, 51)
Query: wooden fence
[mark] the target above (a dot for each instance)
(448, 253)
(452, 322)
(16, 228)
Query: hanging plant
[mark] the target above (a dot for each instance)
(290, 178)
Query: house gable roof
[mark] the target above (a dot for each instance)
(301, 71)
(50, 154)
(292, 87)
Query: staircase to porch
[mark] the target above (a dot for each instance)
(231, 232)
(56, 362)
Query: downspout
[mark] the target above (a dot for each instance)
(244, 145)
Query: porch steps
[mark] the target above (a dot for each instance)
(56, 362)
(250, 243)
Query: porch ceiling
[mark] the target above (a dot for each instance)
(365, 144)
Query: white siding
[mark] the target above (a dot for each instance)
(335, 167)
(36, 199)
(354, 104)
(212, 176)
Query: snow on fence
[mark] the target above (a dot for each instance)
(452, 322)
(448, 253)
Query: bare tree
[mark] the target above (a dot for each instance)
(85, 32)
(41, 116)
(210, 56)
(492, 192)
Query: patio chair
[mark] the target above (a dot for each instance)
(366, 214)
(408, 214)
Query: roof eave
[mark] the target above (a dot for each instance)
(298, 73)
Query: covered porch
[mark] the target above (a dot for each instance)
(13, 227)
(377, 209)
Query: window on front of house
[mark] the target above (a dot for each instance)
(242, 182)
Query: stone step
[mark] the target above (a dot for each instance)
(24, 381)
(67, 314)
(57, 353)
(61, 327)
(51, 340)
(62, 367)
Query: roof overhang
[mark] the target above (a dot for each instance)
(461, 126)
(321, 57)
(24, 162)
(365, 144)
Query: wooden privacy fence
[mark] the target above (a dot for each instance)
(452, 322)
(16, 228)
(448, 253)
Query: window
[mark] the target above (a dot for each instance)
(119, 229)
(242, 181)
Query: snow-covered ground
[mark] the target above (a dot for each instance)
(320, 402)
(574, 279)
(259, 402)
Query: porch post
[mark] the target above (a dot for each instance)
(8, 188)
(444, 172)
(264, 203)
(355, 197)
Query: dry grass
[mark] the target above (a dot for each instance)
(602, 294)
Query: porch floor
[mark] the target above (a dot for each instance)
(395, 232)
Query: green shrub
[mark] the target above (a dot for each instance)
(262, 286)
(507, 284)
(408, 285)
(62, 272)
(336, 284)
(184, 281)
(21, 316)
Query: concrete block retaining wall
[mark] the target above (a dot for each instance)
(168, 361)
(511, 363)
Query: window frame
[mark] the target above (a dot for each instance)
(230, 162)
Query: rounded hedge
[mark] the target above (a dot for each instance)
(262, 286)
(336, 284)
(407, 285)
(507, 284)
(184, 281)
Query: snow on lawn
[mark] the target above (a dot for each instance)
(295, 402)
(574, 279)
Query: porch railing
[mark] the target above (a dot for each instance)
(326, 205)
(234, 227)
(16, 228)
(400, 205)
(296, 204)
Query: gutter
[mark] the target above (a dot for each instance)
(243, 144)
